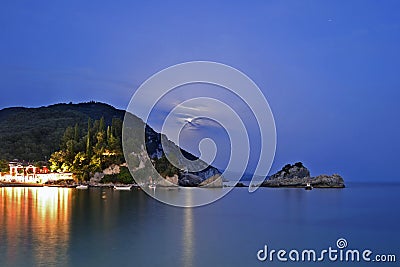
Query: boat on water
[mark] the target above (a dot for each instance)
(82, 187)
(152, 186)
(308, 186)
(122, 187)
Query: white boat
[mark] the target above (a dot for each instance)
(82, 187)
(152, 186)
(308, 186)
(122, 187)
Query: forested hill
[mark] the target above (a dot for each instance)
(84, 139)
(33, 134)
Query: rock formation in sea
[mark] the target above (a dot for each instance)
(298, 175)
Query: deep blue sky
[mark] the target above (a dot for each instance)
(329, 69)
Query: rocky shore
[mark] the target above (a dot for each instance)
(192, 180)
(294, 176)
(297, 175)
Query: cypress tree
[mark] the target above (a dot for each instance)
(88, 141)
(101, 126)
(76, 133)
(108, 134)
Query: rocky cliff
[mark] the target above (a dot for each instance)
(298, 175)
(192, 180)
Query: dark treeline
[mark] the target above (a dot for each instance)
(33, 134)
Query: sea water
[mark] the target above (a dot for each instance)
(102, 227)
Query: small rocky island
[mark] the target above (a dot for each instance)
(297, 175)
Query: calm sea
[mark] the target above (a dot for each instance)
(102, 227)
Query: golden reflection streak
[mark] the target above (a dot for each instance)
(38, 218)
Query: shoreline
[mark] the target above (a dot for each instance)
(63, 186)
(137, 186)
(302, 186)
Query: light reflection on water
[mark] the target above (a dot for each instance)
(104, 227)
(36, 225)
(188, 230)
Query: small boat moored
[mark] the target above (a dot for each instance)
(308, 186)
(82, 187)
(152, 186)
(122, 187)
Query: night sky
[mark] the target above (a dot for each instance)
(329, 69)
